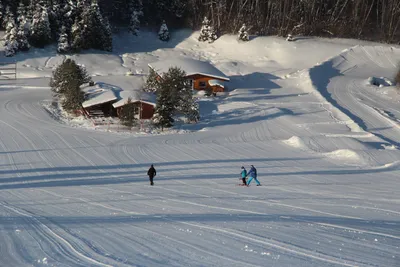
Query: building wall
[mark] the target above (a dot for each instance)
(216, 89)
(147, 111)
(198, 79)
(106, 108)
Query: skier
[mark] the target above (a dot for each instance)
(151, 173)
(253, 175)
(244, 175)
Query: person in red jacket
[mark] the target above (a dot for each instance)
(151, 173)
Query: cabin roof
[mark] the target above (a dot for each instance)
(190, 66)
(101, 93)
(136, 96)
(98, 96)
(216, 83)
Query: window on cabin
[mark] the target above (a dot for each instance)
(202, 84)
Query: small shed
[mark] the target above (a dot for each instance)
(202, 75)
(144, 102)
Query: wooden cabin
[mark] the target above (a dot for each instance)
(202, 75)
(144, 103)
(104, 100)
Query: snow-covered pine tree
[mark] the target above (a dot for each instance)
(22, 39)
(187, 104)
(243, 35)
(79, 29)
(108, 45)
(163, 33)
(165, 108)
(204, 31)
(152, 81)
(55, 20)
(136, 12)
(207, 32)
(134, 22)
(90, 29)
(169, 88)
(101, 34)
(175, 97)
(193, 114)
(23, 28)
(76, 34)
(67, 14)
(40, 27)
(213, 35)
(11, 43)
(65, 84)
(63, 43)
(127, 114)
(22, 16)
(1, 13)
(7, 16)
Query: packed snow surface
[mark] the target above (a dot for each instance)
(324, 141)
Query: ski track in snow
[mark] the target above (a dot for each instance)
(276, 244)
(46, 230)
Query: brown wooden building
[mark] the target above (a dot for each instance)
(202, 75)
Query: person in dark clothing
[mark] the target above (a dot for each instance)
(253, 175)
(151, 173)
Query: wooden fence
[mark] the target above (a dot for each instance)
(8, 70)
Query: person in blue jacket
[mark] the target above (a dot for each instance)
(253, 175)
(243, 174)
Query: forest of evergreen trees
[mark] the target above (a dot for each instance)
(83, 24)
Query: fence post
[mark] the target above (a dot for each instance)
(8, 66)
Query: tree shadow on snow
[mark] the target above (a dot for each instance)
(136, 173)
(239, 116)
(385, 227)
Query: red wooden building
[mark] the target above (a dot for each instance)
(145, 103)
(104, 100)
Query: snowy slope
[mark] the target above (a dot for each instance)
(324, 141)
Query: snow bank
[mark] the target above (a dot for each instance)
(295, 142)
(344, 154)
(391, 165)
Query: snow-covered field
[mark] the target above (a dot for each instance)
(325, 141)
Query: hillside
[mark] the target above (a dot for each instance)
(325, 142)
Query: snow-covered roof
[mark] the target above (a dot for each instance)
(190, 66)
(101, 93)
(136, 96)
(216, 83)
(99, 86)
(99, 96)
